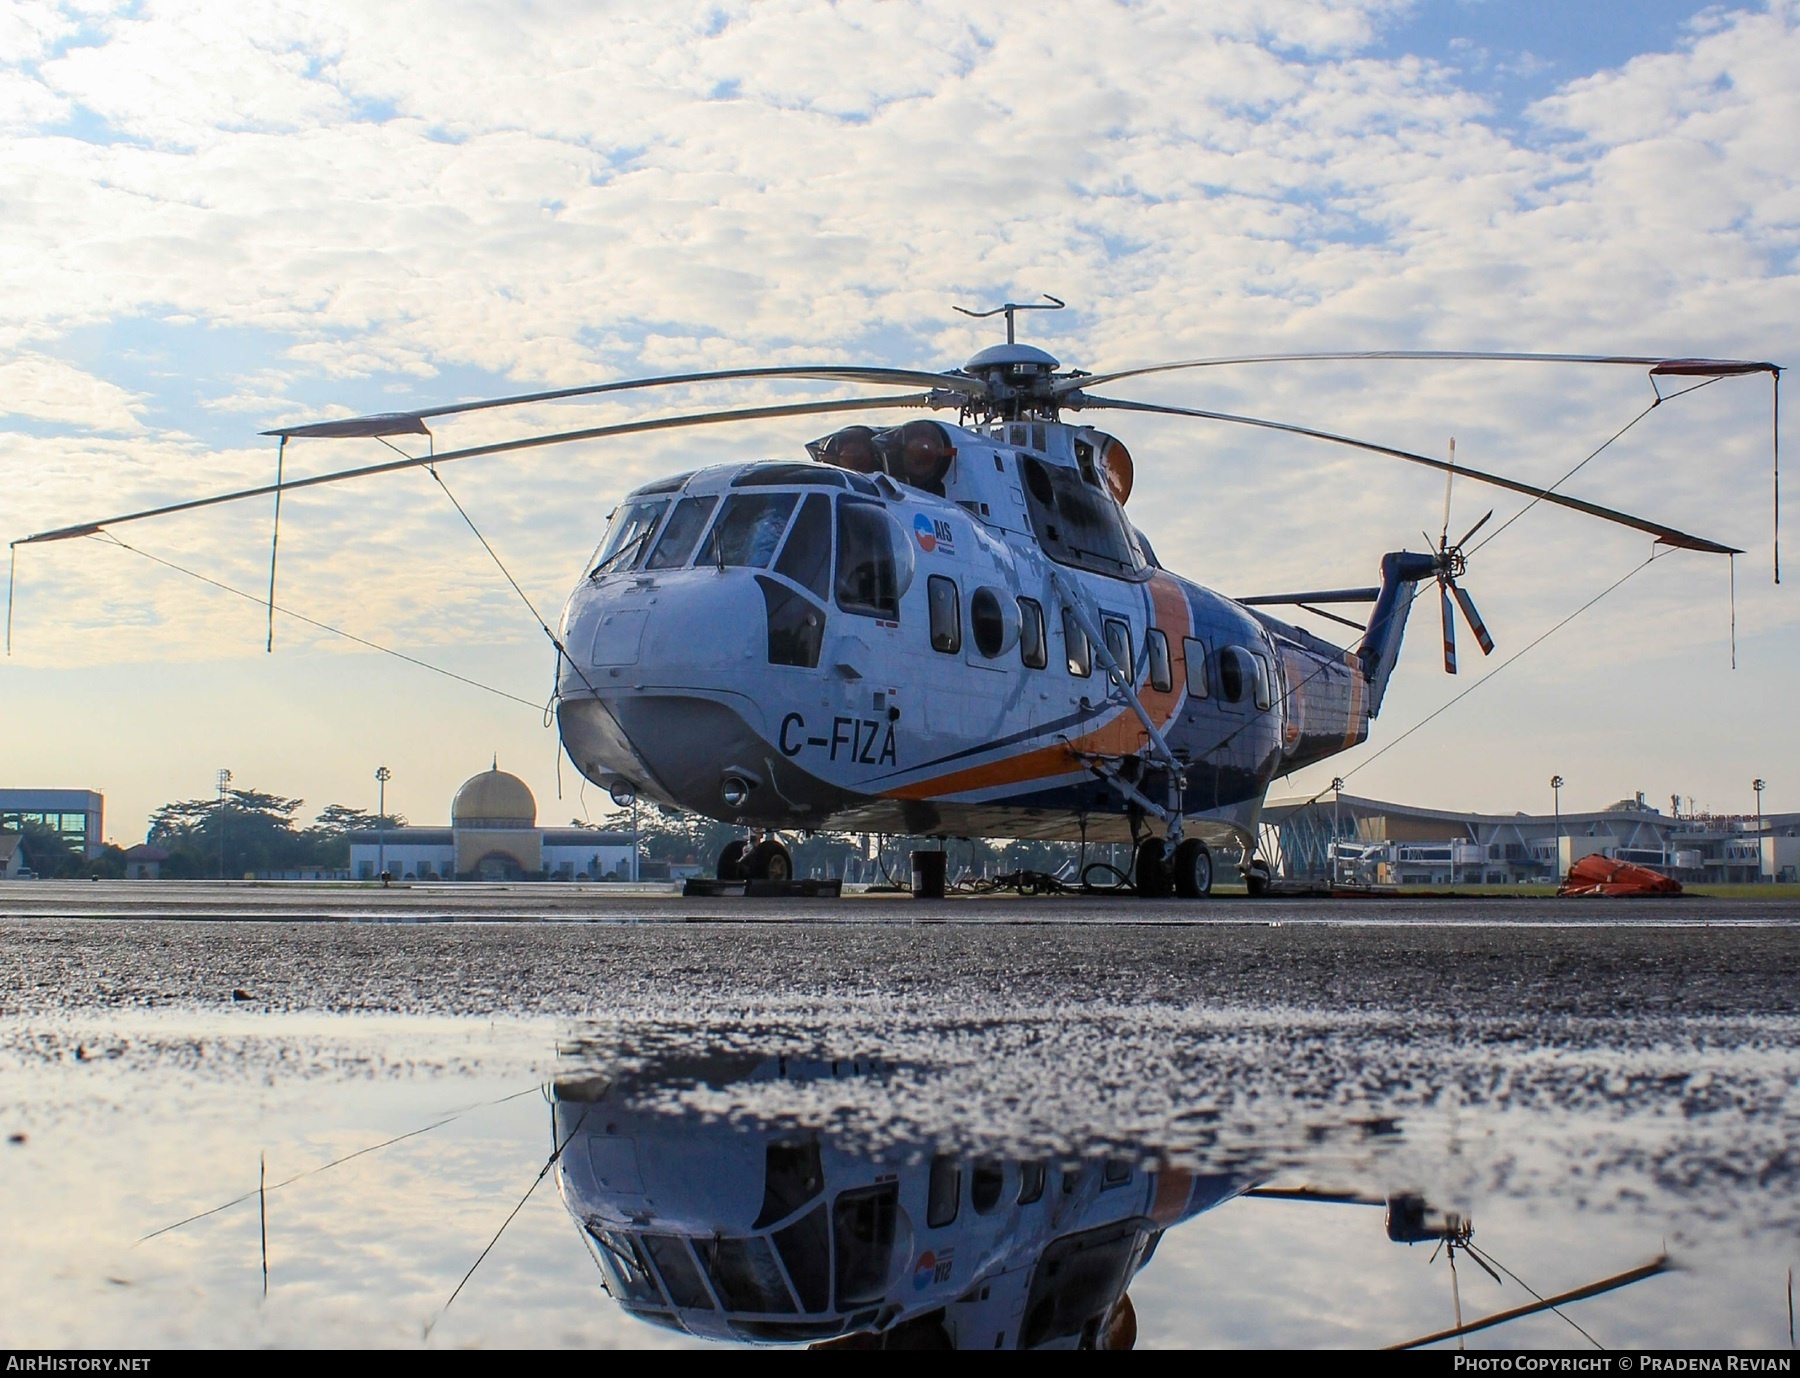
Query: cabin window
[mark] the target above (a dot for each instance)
(1032, 649)
(749, 529)
(806, 558)
(946, 614)
(1078, 525)
(1263, 686)
(862, 1228)
(796, 625)
(1118, 642)
(631, 528)
(867, 574)
(1235, 674)
(943, 1192)
(986, 1182)
(1031, 1182)
(1194, 651)
(987, 624)
(1156, 646)
(1081, 660)
(680, 1275)
(682, 534)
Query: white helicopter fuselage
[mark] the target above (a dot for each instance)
(795, 645)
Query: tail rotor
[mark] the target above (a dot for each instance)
(1452, 563)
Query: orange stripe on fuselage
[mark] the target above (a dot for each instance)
(1120, 735)
(1353, 722)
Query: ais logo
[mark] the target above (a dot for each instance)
(933, 533)
(933, 1268)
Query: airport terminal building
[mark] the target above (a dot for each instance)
(493, 835)
(78, 814)
(1375, 842)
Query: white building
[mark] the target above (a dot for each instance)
(493, 835)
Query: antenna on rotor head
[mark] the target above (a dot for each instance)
(1055, 305)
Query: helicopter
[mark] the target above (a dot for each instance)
(750, 1227)
(945, 628)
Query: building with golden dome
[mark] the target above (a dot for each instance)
(493, 836)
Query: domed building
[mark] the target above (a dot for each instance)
(494, 822)
(493, 836)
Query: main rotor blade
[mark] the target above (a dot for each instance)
(412, 422)
(1449, 626)
(1659, 1264)
(1476, 625)
(664, 423)
(1667, 535)
(1692, 368)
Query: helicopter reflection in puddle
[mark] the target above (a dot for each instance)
(756, 1228)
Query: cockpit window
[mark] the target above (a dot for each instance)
(805, 1248)
(764, 475)
(682, 533)
(679, 1273)
(631, 528)
(867, 575)
(745, 1275)
(806, 558)
(862, 1225)
(749, 529)
(1077, 523)
(626, 1270)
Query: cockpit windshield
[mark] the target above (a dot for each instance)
(631, 528)
(749, 529)
(682, 533)
(1077, 523)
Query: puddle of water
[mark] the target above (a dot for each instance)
(770, 1171)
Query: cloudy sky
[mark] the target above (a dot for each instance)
(219, 217)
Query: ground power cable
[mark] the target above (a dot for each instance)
(263, 1188)
(1483, 1256)
(108, 538)
(500, 564)
(537, 1181)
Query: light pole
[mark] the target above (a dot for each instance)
(1556, 784)
(1337, 789)
(224, 780)
(1757, 785)
(382, 776)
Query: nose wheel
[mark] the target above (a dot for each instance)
(1188, 873)
(766, 860)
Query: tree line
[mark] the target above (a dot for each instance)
(247, 831)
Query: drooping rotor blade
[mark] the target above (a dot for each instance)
(663, 423)
(1476, 625)
(1667, 535)
(1685, 368)
(1659, 1264)
(1449, 626)
(413, 422)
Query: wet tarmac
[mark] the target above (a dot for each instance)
(1586, 1082)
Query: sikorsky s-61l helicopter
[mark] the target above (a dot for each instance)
(955, 629)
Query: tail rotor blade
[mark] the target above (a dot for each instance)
(1449, 478)
(1469, 535)
(1449, 628)
(1476, 625)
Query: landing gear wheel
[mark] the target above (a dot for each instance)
(1193, 870)
(731, 861)
(1256, 878)
(1151, 873)
(768, 861)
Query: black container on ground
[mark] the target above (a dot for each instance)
(928, 875)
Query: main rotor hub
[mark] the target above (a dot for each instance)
(1018, 378)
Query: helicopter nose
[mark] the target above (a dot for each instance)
(696, 629)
